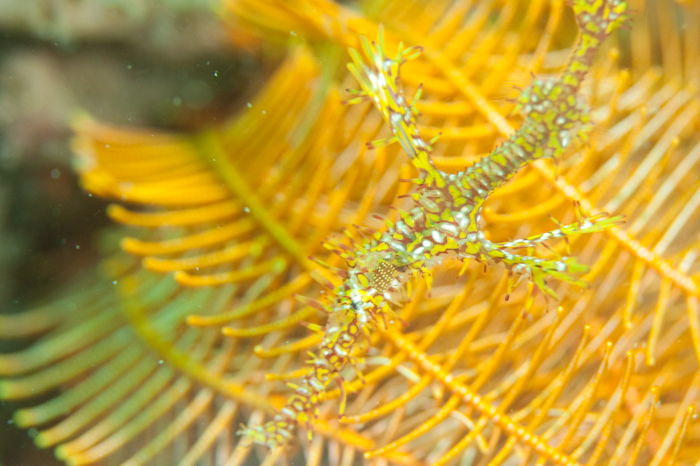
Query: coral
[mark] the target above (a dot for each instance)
(191, 327)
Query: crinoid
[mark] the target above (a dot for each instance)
(192, 327)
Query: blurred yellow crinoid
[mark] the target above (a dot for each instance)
(214, 299)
